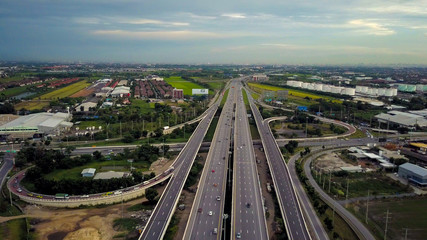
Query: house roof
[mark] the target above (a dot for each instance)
(89, 170)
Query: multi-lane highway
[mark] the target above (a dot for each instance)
(159, 220)
(287, 198)
(7, 165)
(206, 215)
(248, 218)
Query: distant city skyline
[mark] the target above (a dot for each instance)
(217, 32)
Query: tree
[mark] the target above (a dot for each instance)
(97, 155)
(151, 195)
(128, 138)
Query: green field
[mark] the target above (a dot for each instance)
(211, 131)
(293, 94)
(245, 99)
(143, 106)
(224, 98)
(10, 92)
(13, 229)
(66, 91)
(404, 213)
(179, 83)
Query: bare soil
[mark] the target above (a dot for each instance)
(330, 162)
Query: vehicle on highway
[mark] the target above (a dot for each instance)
(248, 205)
(213, 170)
(61, 196)
(85, 196)
(19, 190)
(199, 210)
(145, 182)
(210, 213)
(135, 188)
(238, 235)
(38, 196)
(218, 198)
(118, 192)
(215, 231)
(30, 194)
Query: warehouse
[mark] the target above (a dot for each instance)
(414, 174)
(121, 91)
(47, 123)
(402, 119)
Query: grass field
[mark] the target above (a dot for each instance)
(14, 229)
(179, 83)
(10, 92)
(245, 99)
(143, 106)
(404, 213)
(66, 91)
(31, 105)
(293, 94)
(211, 131)
(75, 173)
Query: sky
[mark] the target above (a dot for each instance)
(325, 32)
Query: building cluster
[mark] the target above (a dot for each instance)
(322, 87)
(412, 88)
(381, 159)
(360, 90)
(152, 87)
(259, 78)
(61, 82)
(20, 83)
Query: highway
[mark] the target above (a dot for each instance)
(210, 196)
(5, 168)
(159, 220)
(248, 215)
(286, 195)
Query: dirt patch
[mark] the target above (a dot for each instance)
(330, 162)
(265, 177)
(88, 224)
(161, 165)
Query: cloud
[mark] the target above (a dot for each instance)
(161, 35)
(234, 15)
(371, 28)
(200, 17)
(141, 21)
(414, 10)
(87, 20)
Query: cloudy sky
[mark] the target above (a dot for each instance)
(215, 31)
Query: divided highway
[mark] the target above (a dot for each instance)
(159, 220)
(206, 215)
(287, 198)
(248, 215)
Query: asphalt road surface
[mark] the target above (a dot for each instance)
(5, 168)
(206, 215)
(286, 196)
(159, 220)
(248, 218)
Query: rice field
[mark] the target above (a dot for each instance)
(179, 83)
(66, 91)
(31, 105)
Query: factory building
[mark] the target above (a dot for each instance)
(121, 91)
(259, 78)
(414, 174)
(402, 119)
(47, 123)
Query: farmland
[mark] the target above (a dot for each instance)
(66, 91)
(31, 105)
(179, 83)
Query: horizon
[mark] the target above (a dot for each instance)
(326, 33)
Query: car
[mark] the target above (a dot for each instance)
(238, 235)
(199, 210)
(30, 194)
(19, 190)
(85, 196)
(135, 188)
(215, 231)
(210, 213)
(218, 198)
(38, 196)
(117, 192)
(213, 170)
(248, 205)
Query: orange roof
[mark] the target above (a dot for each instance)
(420, 145)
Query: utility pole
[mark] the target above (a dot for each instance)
(10, 196)
(346, 195)
(143, 125)
(330, 176)
(367, 209)
(386, 225)
(406, 233)
(306, 125)
(121, 129)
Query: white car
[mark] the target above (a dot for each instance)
(85, 196)
(210, 213)
(19, 190)
(218, 198)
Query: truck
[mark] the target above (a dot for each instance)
(61, 196)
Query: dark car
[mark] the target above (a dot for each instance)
(199, 210)
(248, 205)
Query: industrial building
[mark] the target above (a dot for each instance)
(402, 119)
(121, 91)
(259, 77)
(414, 174)
(47, 123)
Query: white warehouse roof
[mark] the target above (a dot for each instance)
(44, 122)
